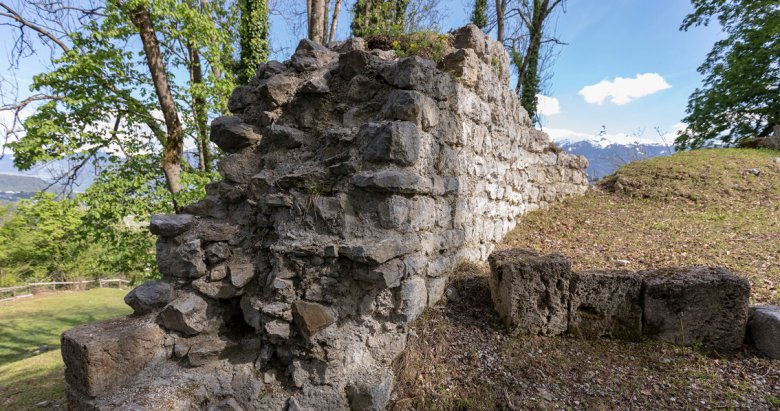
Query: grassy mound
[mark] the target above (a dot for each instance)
(31, 368)
(707, 207)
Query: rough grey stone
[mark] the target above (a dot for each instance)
(279, 90)
(181, 260)
(231, 134)
(317, 85)
(149, 296)
(241, 98)
(764, 329)
(387, 275)
(375, 253)
(469, 37)
(409, 72)
(530, 292)
(414, 297)
(394, 211)
(286, 137)
(217, 252)
(606, 304)
(217, 273)
(241, 274)
(278, 330)
(413, 106)
(372, 394)
(216, 289)
(186, 314)
(404, 182)
(353, 62)
(397, 141)
(170, 225)
(706, 305)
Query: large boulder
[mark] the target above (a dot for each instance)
(698, 305)
(764, 330)
(530, 292)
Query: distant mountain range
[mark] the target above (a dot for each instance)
(606, 156)
(16, 185)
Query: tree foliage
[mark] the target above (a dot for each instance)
(740, 95)
(479, 13)
(254, 45)
(375, 17)
(45, 240)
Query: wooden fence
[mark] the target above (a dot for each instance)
(28, 290)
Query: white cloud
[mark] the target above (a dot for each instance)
(624, 90)
(547, 106)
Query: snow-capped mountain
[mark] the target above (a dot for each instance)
(607, 152)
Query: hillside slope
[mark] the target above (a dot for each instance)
(714, 207)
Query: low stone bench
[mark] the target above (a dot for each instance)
(540, 295)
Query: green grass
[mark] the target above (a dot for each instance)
(27, 377)
(694, 208)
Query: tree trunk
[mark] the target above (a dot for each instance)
(316, 18)
(174, 143)
(325, 7)
(500, 10)
(200, 110)
(335, 21)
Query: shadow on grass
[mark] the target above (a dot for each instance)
(19, 339)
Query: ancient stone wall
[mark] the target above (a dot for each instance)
(355, 182)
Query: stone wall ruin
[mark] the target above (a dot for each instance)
(355, 182)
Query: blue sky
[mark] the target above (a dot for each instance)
(636, 40)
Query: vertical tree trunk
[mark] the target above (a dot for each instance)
(315, 21)
(174, 143)
(500, 10)
(325, 9)
(200, 110)
(335, 21)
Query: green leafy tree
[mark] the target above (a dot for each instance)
(479, 13)
(254, 37)
(375, 17)
(740, 96)
(126, 107)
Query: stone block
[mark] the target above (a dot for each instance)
(698, 305)
(372, 394)
(231, 134)
(188, 314)
(387, 275)
(375, 253)
(409, 73)
(180, 260)
(312, 317)
(170, 225)
(413, 299)
(530, 292)
(279, 90)
(412, 106)
(396, 141)
(396, 181)
(103, 355)
(764, 330)
(241, 274)
(241, 98)
(394, 212)
(606, 304)
(149, 296)
(219, 289)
